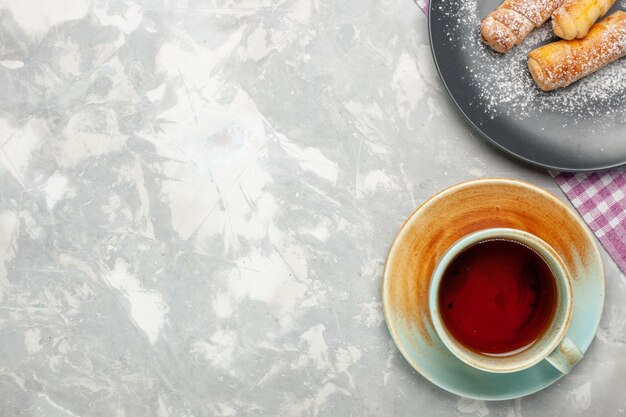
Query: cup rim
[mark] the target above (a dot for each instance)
(549, 255)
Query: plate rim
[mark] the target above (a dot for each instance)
(431, 199)
(488, 138)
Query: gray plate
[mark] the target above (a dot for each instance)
(579, 128)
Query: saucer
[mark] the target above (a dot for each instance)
(434, 227)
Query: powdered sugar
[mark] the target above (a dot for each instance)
(504, 85)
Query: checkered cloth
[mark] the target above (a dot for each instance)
(423, 4)
(601, 199)
(598, 197)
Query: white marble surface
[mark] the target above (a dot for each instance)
(196, 201)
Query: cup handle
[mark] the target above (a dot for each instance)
(565, 356)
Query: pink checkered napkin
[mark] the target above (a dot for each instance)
(423, 4)
(601, 199)
(598, 197)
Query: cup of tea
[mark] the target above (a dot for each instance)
(501, 301)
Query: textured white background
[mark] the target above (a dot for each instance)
(196, 201)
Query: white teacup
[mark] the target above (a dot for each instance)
(551, 346)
